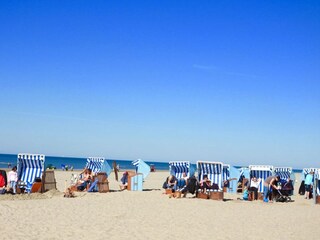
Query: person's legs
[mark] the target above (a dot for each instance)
(265, 194)
(255, 192)
(13, 185)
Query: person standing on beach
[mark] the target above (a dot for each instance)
(308, 184)
(269, 184)
(13, 179)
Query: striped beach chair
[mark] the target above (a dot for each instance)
(283, 172)
(141, 167)
(260, 171)
(29, 167)
(226, 172)
(214, 171)
(179, 167)
(316, 191)
(230, 175)
(98, 164)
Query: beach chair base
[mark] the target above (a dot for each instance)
(103, 187)
(317, 199)
(202, 195)
(260, 196)
(216, 196)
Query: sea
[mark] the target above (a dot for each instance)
(10, 160)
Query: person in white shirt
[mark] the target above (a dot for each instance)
(254, 186)
(13, 179)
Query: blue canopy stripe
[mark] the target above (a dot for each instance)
(260, 171)
(178, 168)
(30, 167)
(283, 172)
(214, 171)
(98, 164)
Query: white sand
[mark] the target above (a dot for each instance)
(152, 215)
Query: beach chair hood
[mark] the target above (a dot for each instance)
(98, 164)
(141, 167)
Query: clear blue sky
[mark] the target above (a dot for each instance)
(230, 81)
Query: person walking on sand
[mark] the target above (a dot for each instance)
(269, 184)
(13, 179)
(308, 184)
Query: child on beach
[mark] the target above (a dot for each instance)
(2, 184)
(13, 179)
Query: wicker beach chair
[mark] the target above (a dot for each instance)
(285, 173)
(100, 167)
(214, 171)
(262, 172)
(30, 167)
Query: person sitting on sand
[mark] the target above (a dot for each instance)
(172, 182)
(205, 184)
(85, 180)
(124, 181)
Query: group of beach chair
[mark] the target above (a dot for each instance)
(32, 177)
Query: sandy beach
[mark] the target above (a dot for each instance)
(150, 214)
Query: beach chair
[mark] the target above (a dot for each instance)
(230, 177)
(316, 186)
(30, 167)
(141, 167)
(260, 171)
(99, 166)
(177, 168)
(285, 173)
(214, 171)
(243, 179)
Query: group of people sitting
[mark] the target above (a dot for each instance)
(189, 185)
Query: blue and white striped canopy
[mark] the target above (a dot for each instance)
(260, 171)
(226, 172)
(178, 168)
(141, 167)
(30, 167)
(98, 164)
(283, 172)
(214, 170)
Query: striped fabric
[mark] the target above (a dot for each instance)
(226, 172)
(141, 167)
(260, 171)
(305, 171)
(30, 167)
(178, 168)
(214, 170)
(283, 172)
(95, 164)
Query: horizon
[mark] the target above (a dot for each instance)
(234, 82)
